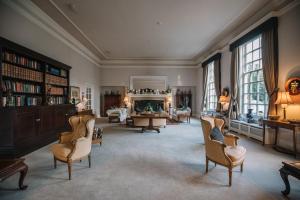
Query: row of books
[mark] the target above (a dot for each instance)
(50, 79)
(13, 58)
(21, 101)
(58, 100)
(56, 71)
(21, 73)
(21, 87)
(56, 90)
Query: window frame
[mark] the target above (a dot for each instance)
(246, 103)
(211, 99)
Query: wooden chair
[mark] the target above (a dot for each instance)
(227, 154)
(69, 149)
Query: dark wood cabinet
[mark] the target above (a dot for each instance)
(111, 100)
(183, 99)
(27, 129)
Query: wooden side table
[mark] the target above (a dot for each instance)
(276, 124)
(292, 169)
(11, 167)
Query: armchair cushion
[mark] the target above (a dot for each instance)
(80, 131)
(216, 134)
(61, 151)
(236, 153)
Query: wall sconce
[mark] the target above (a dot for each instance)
(283, 98)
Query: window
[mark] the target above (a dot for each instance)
(89, 97)
(253, 92)
(211, 98)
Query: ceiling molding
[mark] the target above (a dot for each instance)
(34, 14)
(100, 51)
(124, 66)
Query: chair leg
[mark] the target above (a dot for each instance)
(70, 169)
(230, 175)
(206, 167)
(54, 159)
(89, 157)
(215, 164)
(242, 166)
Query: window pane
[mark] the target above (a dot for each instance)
(253, 98)
(253, 107)
(249, 67)
(246, 78)
(253, 76)
(256, 54)
(261, 98)
(261, 87)
(246, 98)
(245, 109)
(260, 75)
(246, 88)
(248, 47)
(256, 43)
(249, 57)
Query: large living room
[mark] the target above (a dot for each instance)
(141, 99)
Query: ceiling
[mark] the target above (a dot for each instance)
(176, 32)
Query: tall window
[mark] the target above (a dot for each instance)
(253, 92)
(89, 97)
(211, 98)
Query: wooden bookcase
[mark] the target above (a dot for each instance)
(111, 100)
(31, 114)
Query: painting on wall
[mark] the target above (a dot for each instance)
(293, 86)
(74, 94)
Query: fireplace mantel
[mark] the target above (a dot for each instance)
(149, 95)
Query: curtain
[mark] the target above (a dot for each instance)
(234, 82)
(204, 81)
(270, 66)
(217, 77)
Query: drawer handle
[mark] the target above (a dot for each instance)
(37, 120)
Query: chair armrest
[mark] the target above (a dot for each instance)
(230, 139)
(65, 137)
(215, 150)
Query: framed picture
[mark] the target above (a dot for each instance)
(74, 94)
(293, 86)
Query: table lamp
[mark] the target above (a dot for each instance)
(283, 98)
(223, 100)
(126, 101)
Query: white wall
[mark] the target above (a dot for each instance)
(19, 29)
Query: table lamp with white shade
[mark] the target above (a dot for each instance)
(283, 98)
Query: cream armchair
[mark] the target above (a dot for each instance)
(227, 154)
(77, 144)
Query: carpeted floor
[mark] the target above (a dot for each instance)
(150, 166)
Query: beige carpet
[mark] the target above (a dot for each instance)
(150, 166)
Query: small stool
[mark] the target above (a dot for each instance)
(97, 136)
(11, 167)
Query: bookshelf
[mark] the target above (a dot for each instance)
(34, 107)
(28, 78)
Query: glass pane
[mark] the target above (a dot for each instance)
(245, 109)
(246, 78)
(253, 98)
(256, 65)
(248, 67)
(253, 87)
(249, 57)
(261, 110)
(248, 47)
(256, 54)
(260, 75)
(261, 98)
(256, 43)
(261, 87)
(254, 111)
(253, 76)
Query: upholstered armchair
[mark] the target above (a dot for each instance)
(227, 154)
(75, 145)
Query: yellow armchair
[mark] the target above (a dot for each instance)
(76, 144)
(227, 154)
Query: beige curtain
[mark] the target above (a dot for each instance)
(234, 82)
(204, 80)
(270, 67)
(217, 76)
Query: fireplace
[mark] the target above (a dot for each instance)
(155, 105)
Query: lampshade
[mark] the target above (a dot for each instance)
(283, 98)
(126, 99)
(223, 99)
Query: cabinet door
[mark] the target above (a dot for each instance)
(46, 120)
(6, 133)
(26, 124)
